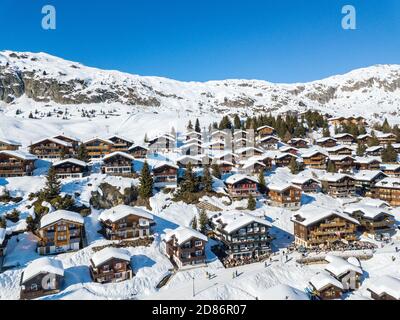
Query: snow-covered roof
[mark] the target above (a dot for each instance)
(97, 138)
(374, 148)
(118, 153)
(248, 149)
(303, 179)
(375, 202)
(287, 148)
(312, 153)
(58, 215)
(370, 212)
(380, 135)
(282, 292)
(338, 148)
(165, 163)
(218, 132)
(121, 211)
(310, 216)
(367, 175)
(186, 159)
(2, 235)
(264, 127)
(389, 166)
(321, 140)
(334, 177)
(280, 187)
(339, 267)
(115, 136)
(239, 177)
(250, 163)
(323, 280)
(339, 157)
(362, 136)
(183, 234)
(385, 284)
(10, 142)
(269, 138)
(108, 253)
(389, 182)
(66, 137)
(342, 135)
(137, 146)
(55, 140)
(235, 219)
(43, 265)
(19, 154)
(71, 160)
(367, 160)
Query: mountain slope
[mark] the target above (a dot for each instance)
(373, 92)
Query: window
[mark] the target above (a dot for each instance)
(199, 253)
(197, 243)
(34, 287)
(118, 265)
(106, 268)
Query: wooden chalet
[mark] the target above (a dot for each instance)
(52, 148)
(264, 131)
(165, 175)
(327, 142)
(390, 169)
(374, 151)
(120, 143)
(73, 141)
(343, 163)
(60, 231)
(339, 121)
(386, 138)
(367, 163)
(315, 159)
(242, 235)
(42, 277)
(326, 287)
(248, 152)
(138, 152)
(388, 190)
(225, 167)
(111, 265)
(242, 186)
(185, 247)
(183, 161)
(396, 147)
(340, 150)
(373, 220)
(284, 159)
(384, 288)
(125, 222)
(289, 149)
(285, 195)
(16, 163)
(191, 149)
(338, 185)
(118, 163)
(365, 180)
(314, 228)
(268, 142)
(164, 143)
(345, 138)
(349, 274)
(6, 144)
(97, 148)
(298, 143)
(307, 184)
(364, 139)
(71, 168)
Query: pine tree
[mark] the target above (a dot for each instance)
(53, 184)
(193, 224)
(294, 168)
(145, 182)
(197, 126)
(190, 125)
(373, 141)
(203, 221)
(30, 115)
(207, 179)
(386, 128)
(251, 203)
(189, 180)
(262, 186)
(82, 153)
(331, 167)
(360, 149)
(236, 122)
(325, 132)
(389, 154)
(216, 172)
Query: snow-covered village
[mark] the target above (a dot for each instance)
(119, 186)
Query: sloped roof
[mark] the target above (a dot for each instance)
(121, 211)
(183, 234)
(58, 215)
(43, 265)
(108, 253)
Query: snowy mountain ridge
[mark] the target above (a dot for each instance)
(372, 92)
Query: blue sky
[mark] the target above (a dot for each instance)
(274, 40)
